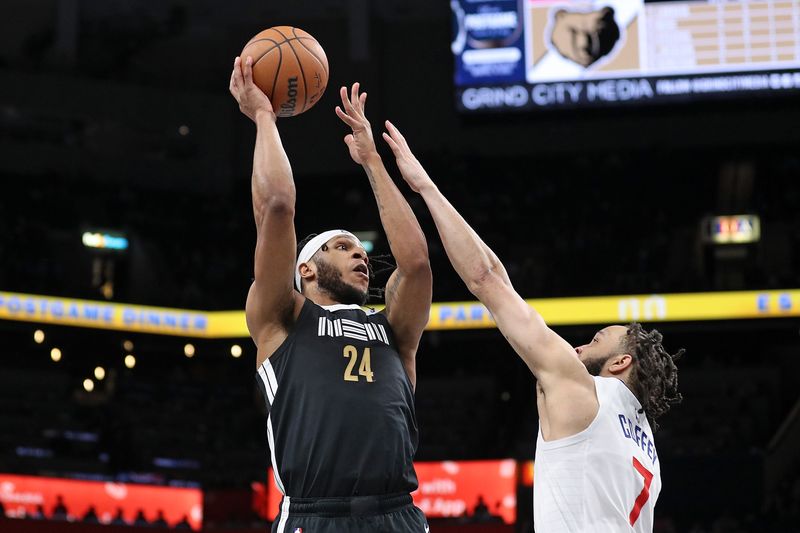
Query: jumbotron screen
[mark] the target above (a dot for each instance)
(22, 495)
(533, 54)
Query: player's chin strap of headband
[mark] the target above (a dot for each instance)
(315, 244)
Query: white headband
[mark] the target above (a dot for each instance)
(313, 246)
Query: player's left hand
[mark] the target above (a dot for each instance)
(408, 164)
(360, 142)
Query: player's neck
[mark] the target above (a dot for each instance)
(625, 378)
(320, 298)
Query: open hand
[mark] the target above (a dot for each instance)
(251, 99)
(411, 169)
(360, 142)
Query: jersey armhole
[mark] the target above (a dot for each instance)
(281, 349)
(384, 321)
(578, 437)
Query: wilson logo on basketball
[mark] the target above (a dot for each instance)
(287, 107)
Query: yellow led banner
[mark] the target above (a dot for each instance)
(643, 307)
(105, 315)
(444, 316)
(227, 324)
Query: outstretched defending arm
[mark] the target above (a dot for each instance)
(409, 289)
(549, 357)
(272, 302)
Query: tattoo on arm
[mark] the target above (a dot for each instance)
(391, 290)
(370, 176)
(373, 184)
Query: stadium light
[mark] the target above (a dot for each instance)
(130, 361)
(88, 385)
(236, 351)
(99, 373)
(127, 345)
(55, 355)
(368, 239)
(38, 336)
(733, 229)
(188, 350)
(104, 240)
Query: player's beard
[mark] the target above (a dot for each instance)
(595, 366)
(329, 280)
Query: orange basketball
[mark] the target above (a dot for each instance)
(290, 66)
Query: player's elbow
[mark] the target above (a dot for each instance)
(418, 266)
(482, 281)
(275, 204)
(280, 202)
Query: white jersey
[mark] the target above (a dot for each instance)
(605, 478)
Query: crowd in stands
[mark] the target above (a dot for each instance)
(563, 228)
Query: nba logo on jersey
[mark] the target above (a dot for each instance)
(298, 530)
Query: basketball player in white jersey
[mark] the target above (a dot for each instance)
(597, 468)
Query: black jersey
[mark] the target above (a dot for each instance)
(340, 407)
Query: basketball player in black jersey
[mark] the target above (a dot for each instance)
(338, 381)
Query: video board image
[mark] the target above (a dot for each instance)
(557, 54)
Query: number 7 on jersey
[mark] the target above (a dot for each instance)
(645, 494)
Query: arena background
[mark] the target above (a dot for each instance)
(115, 117)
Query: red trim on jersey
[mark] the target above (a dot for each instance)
(645, 494)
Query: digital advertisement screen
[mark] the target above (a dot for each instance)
(529, 54)
(456, 488)
(22, 495)
(446, 489)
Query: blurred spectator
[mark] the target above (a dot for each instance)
(91, 516)
(140, 519)
(60, 511)
(119, 519)
(160, 521)
(38, 514)
(184, 523)
(481, 512)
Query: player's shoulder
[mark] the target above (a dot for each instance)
(614, 390)
(611, 385)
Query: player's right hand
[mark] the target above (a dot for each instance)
(252, 100)
(352, 112)
(410, 168)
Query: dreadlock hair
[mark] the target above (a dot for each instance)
(383, 262)
(654, 378)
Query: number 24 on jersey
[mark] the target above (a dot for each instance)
(364, 368)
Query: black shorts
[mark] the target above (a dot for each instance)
(393, 513)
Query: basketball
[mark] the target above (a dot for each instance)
(290, 66)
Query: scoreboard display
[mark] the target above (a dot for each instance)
(528, 54)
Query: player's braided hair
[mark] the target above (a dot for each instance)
(382, 262)
(654, 378)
